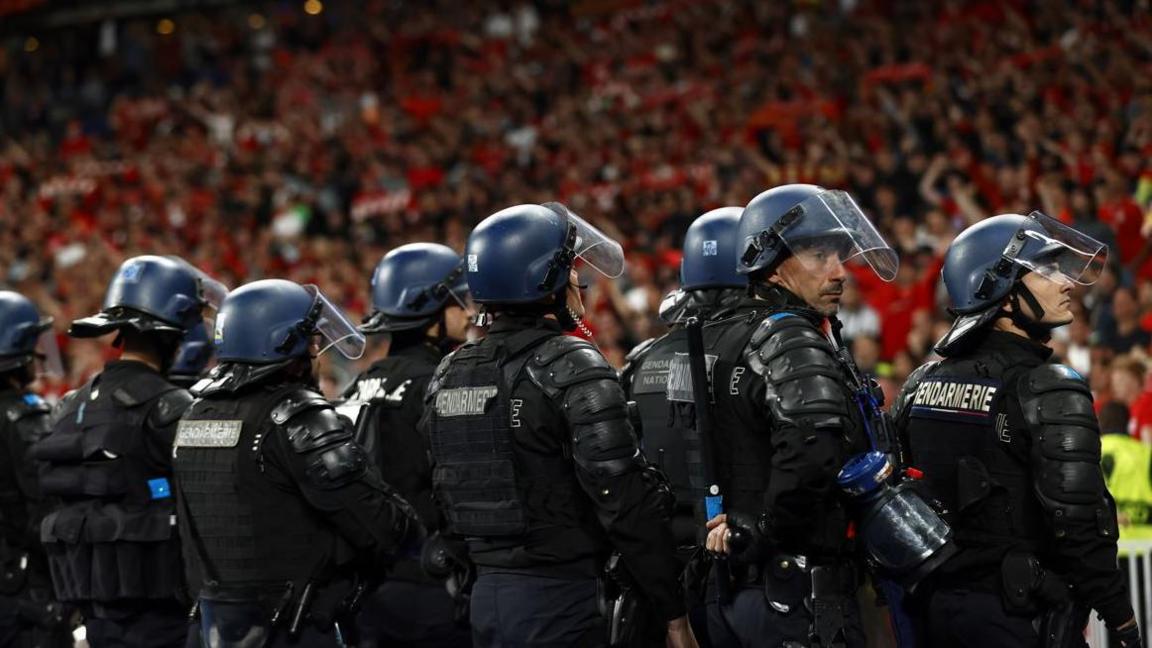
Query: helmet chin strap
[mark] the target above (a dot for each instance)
(1035, 328)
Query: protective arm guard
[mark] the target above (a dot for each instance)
(1069, 483)
(334, 475)
(811, 429)
(632, 503)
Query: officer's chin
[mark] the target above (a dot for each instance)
(829, 306)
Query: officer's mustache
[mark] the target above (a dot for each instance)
(838, 289)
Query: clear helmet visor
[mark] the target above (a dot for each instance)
(48, 352)
(1060, 253)
(596, 248)
(212, 291)
(830, 228)
(335, 328)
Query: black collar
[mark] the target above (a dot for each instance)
(1013, 345)
(776, 298)
(509, 323)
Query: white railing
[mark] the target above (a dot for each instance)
(1136, 558)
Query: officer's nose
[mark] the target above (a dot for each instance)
(837, 272)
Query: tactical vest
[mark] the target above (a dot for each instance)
(967, 434)
(485, 490)
(741, 444)
(113, 537)
(1127, 464)
(243, 517)
(664, 439)
(385, 403)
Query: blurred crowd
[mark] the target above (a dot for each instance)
(264, 140)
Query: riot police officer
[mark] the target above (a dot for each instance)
(534, 459)
(710, 288)
(419, 297)
(112, 544)
(284, 521)
(29, 615)
(1010, 445)
(785, 423)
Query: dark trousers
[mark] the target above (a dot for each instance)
(246, 625)
(520, 610)
(147, 624)
(748, 620)
(411, 614)
(960, 618)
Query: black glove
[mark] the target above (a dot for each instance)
(747, 541)
(1130, 636)
(440, 556)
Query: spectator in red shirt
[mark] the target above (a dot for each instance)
(1131, 387)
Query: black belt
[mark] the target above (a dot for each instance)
(575, 570)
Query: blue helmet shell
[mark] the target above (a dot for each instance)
(20, 329)
(518, 255)
(761, 213)
(412, 284)
(266, 321)
(710, 251)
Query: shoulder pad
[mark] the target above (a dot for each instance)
(776, 322)
(200, 386)
(787, 333)
(639, 350)
(27, 405)
(295, 402)
(316, 428)
(804, 378)
(170, 407)
(903, 399)
(438, 375)
(1052, 377)
(1056, 394)
(564, 361)
(141, 389)
(67, 404)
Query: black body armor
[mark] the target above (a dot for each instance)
(113, 535)
(1010, 445)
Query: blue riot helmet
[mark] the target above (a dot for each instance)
(984, 264)
(709, 252)
(25, 335)
(153, 294)
(275, 320)
(412, 285)
(523, 254)
(192, 356)
(807, 221)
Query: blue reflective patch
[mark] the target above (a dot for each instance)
(779, 316)
(33, 400)
(160, 488)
